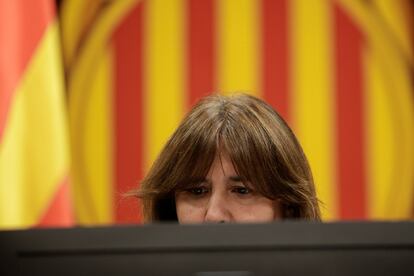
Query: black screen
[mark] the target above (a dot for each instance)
(281, 248)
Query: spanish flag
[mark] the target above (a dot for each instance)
(34, 156)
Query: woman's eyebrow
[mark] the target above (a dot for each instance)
(237, 178)
(196, 180)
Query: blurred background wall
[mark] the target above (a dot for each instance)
(91, 90)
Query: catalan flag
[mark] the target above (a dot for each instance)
(340, 72)
(101, 49)
(34, 156)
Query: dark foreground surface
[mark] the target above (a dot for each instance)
(283, 248)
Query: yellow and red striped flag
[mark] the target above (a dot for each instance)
(100, 44)
(337, 70)
(34, 159)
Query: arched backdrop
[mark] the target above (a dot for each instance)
(339, 71)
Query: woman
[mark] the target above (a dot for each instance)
(232, 159)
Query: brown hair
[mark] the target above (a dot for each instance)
(260, 144)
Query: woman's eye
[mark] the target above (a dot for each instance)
(198, 190)
(242, 190)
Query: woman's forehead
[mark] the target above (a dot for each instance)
(219, 159)
(223, 163)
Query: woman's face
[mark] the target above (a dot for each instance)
(224, 197)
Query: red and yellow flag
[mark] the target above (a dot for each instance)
(102, 60)
(34, 159)
(339, 71)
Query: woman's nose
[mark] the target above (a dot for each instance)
(217, 209)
